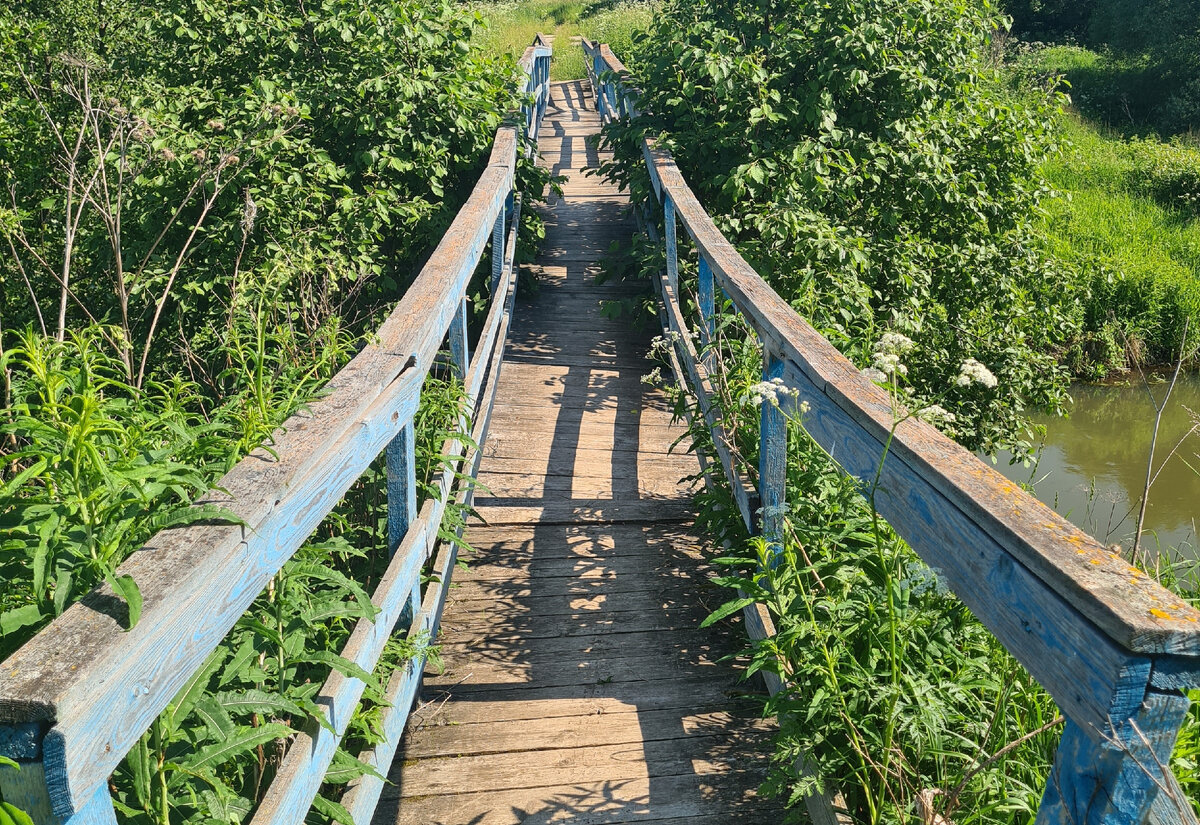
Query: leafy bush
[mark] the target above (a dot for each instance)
(863, 158)
(208, 206)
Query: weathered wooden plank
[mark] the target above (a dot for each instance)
(533, 486)
(571, 701)
(599, 510)
(584, 731)
(692, 756)
(676, 800)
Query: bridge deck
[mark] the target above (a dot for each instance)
(577, 686)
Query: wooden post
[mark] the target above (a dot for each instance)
(498, 246)
(96, 811)
(458, 340)
(402, 502)
(672, 244)
(28, 790)
(1114, 775)
(772, 459)
(599, 90)
(707, 307)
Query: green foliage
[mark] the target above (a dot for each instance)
(894, 691)
(209, 207)
(864, 158)
(1146, 70)
(323, 148)
(512, 24)
(99, 468)
(1127, 226)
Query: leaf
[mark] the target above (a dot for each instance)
(257, 701)
(13, 620)
(62, 590)
(191, 692)
(14, 814)
(128, 590)
(215, 718)
(228, 806)
(333, 810)
(344, 768)
(16, 481)
(727, 609)
(243, 741)
(341, 665)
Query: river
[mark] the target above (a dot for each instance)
(1093, 466)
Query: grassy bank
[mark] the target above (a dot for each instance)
(1126, 219)
(513, 24)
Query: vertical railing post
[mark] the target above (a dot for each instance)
(402, 502)
(708, 319)
(458, 339)
(672, 243)
(1114, 775)
(498, 245)
(599, 89)
(772, 458)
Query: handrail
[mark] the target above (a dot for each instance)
(1113, 648)
(79, 695)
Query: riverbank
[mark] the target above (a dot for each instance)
(1125, 220)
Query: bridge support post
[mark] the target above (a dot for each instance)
(772, 459)
(707, 308)
(458, 339)
(402, 503)
(498, 245)
(672, 242)
(1116, 774)
(27, 787)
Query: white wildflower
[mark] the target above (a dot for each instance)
(894, 342)
(662, 343)
(770, 392)
(973, 372)
(889, 364)
(872, 374)
(653, 378)
(936, 414)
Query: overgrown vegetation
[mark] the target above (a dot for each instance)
(871, 159)
(512, 24)
(206, 208)
(876, 188)
(1125, 221)
(1144, 69)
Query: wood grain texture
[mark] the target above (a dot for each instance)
(572, 643)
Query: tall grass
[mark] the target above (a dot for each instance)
(513, 25)
(1126, 219)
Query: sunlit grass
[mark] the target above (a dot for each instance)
(1135, 241)
(513, 25)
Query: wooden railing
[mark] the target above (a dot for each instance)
(77, 697)
(1112, 647)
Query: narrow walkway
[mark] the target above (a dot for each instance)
(578, 687)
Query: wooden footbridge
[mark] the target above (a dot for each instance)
(577, 686)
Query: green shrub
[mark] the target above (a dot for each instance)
(864, 159)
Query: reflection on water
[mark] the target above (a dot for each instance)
(1093, 467)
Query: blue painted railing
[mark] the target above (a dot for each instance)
(78, 697)
(1113, 648)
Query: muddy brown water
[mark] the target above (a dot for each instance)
(1092, 468)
